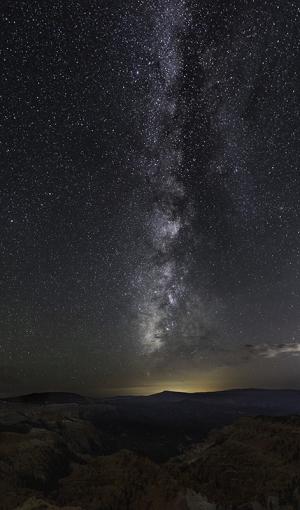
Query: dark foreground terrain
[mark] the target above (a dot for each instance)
(238, 449)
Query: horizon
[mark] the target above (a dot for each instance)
(116, 395)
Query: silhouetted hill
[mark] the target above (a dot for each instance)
(173, 396)
(237, 397)
(285, 399)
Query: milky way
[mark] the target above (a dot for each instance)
(149, 195)
(162, 276)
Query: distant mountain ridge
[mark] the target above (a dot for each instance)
(238, 396)
(233, 391)
(236, 393)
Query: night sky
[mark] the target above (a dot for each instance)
(149, 197)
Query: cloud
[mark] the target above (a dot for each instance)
(204, 351)
(272, 351)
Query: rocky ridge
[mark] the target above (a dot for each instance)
(55, 456)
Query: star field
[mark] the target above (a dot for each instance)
(149, 195)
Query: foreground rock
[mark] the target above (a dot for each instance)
(51, 458)
(120, 481)
(39, 504)
(254, 463)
